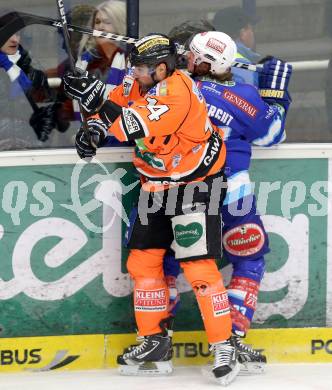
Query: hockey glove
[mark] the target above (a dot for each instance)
(85, 88)
(43, 122)
(37, 77)
(273, 82)
(25, 60)
(98, 130)
(45, 119)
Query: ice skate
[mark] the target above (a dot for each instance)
(167, 326)
(252, 361)
(150, 357)
(226, 365)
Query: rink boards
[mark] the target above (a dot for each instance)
(61, 275)
(84, 352)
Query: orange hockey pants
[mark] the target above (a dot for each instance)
(151, 293)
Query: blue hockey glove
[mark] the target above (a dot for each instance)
(273, 82)
(85, 88)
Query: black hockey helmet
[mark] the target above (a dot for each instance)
(153, 50)
(182, 32)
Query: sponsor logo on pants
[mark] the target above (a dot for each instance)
(220, 304)
(150, 300)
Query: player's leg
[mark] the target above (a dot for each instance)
(151, 307)
(245, 243)
(145, 266)
(197, 242)
(211, 295)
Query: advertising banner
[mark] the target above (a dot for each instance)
(62, 227)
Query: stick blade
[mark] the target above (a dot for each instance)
(14, 21)
(9, 25)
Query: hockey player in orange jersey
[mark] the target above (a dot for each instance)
(180, 158)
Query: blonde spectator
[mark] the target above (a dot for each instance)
(101, 56)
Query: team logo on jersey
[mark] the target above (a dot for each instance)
(216, 45)
(244, 240)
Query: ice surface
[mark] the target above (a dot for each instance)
(277, 377)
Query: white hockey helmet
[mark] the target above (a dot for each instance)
(214, 47)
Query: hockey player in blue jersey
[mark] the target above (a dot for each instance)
(247, 116)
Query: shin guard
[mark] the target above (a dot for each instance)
(242, 293)
(212, 298)
(151, 294)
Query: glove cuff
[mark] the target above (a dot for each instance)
(272, 93)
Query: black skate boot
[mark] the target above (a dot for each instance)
(225, 366)
(150, 357)
(252, 361)
(167, 326)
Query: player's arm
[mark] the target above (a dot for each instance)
(89, 91)
(149, 116)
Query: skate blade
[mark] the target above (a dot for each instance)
(252, 368)
(147, 369)
(225, 380)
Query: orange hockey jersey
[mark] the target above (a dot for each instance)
(176, 142)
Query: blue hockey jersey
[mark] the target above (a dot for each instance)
(246, 120)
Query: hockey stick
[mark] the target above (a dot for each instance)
(62, 15)
(15, 21)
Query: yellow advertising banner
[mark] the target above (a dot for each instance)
(79, 352)
(84, 352)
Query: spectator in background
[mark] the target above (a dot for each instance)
(239, 25)
(235, 22)
(100, 56)
(21, 87)
(80, 15)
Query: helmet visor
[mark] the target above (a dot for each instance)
(142, 70)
